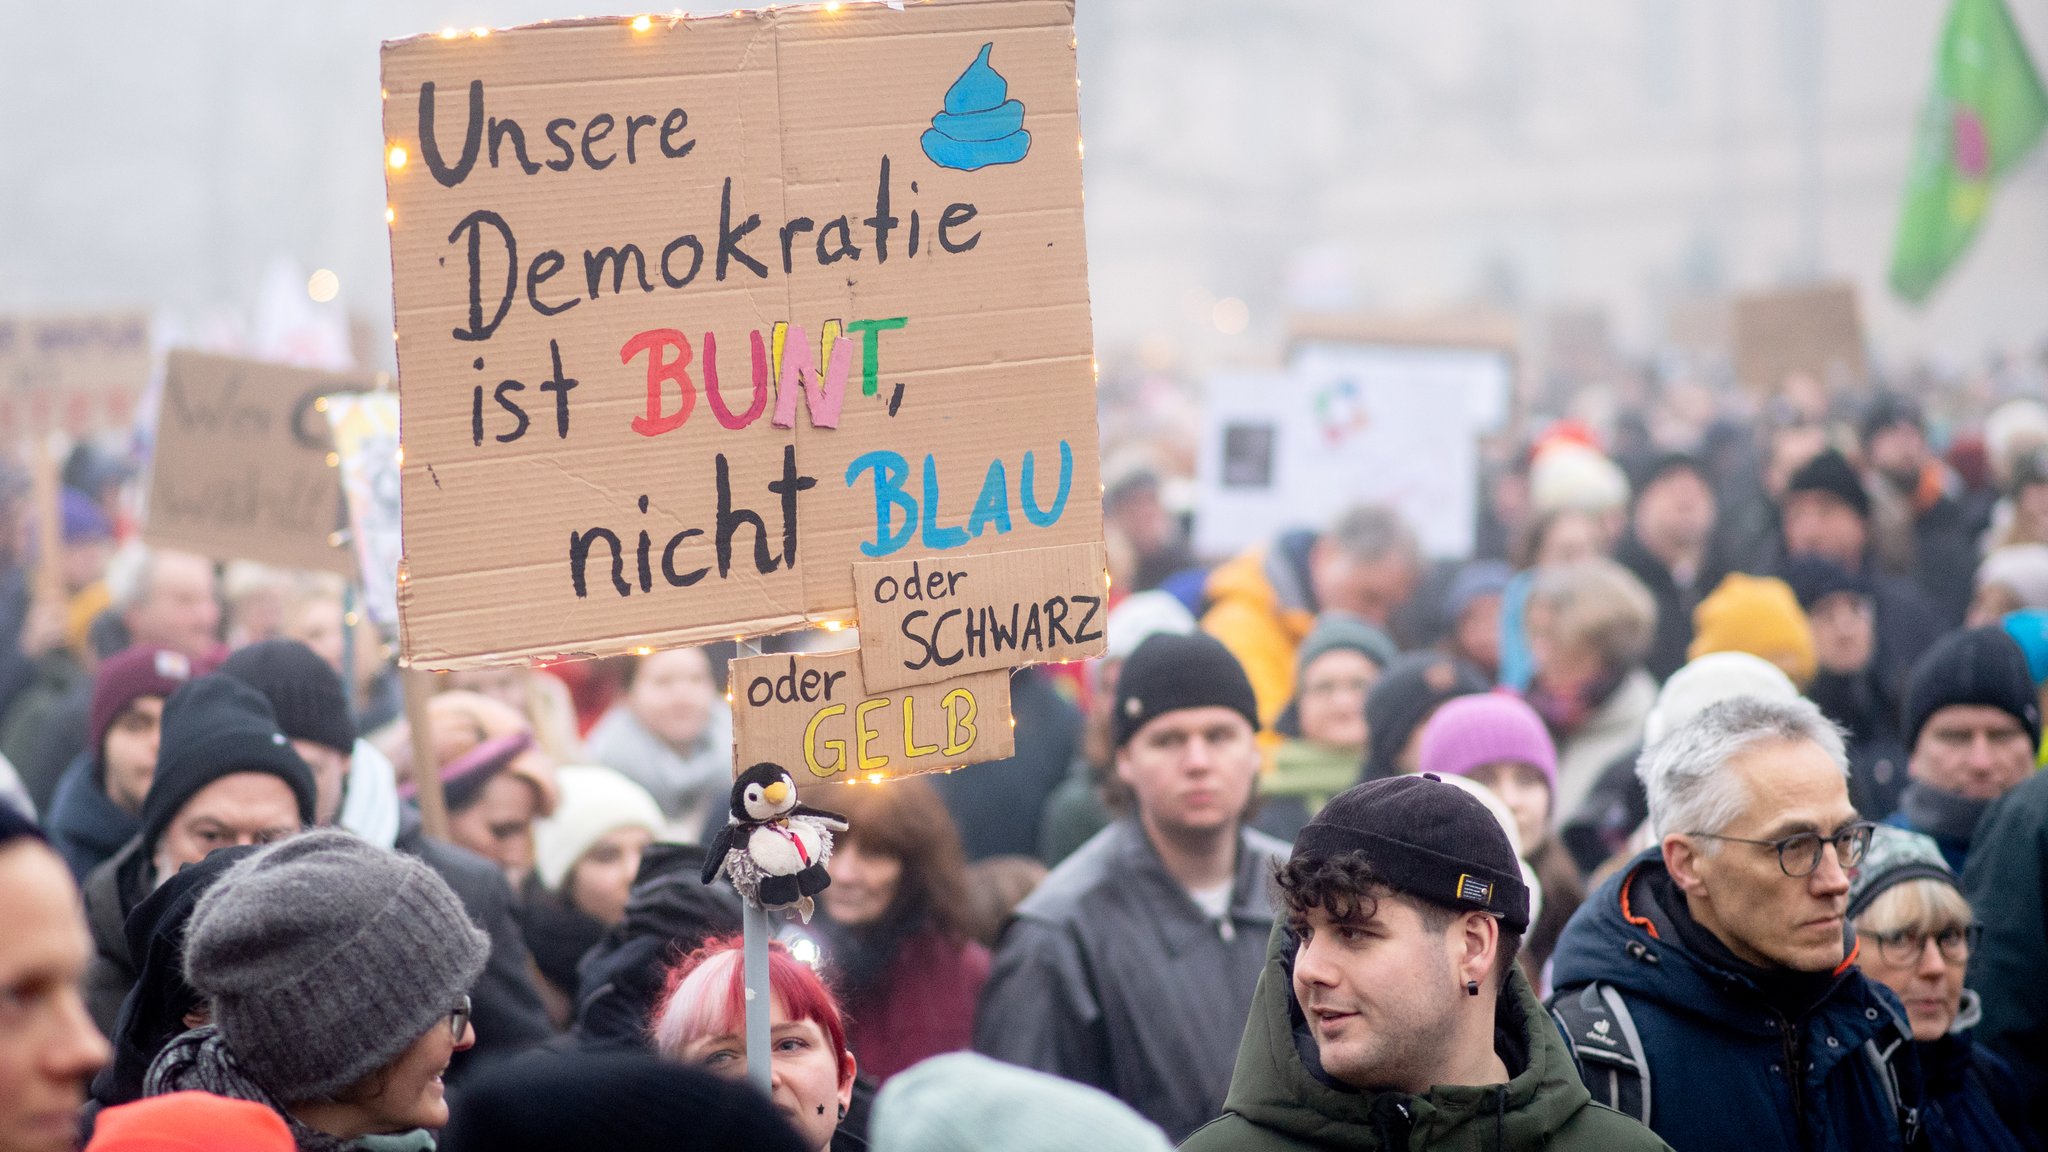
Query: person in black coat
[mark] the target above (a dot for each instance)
(670, 913)
(1666, 547)
(1826, 513)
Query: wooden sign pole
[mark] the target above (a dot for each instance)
(426, 772)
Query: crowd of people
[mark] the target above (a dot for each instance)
(1700, 809)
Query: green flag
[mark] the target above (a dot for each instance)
(1987, 109)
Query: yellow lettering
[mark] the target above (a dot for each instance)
(864, 734)
(959, 720)
(910, 745)
(838, 747)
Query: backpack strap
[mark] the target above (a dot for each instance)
(1596, 1024)
(1885, 1060)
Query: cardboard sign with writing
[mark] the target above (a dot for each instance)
(814, 716)
(696, 313)
(76, 374)
(1814, 331)
(938, 618)
(241, 470)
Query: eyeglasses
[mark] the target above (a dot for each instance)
(1799, 853)
(1907, 946)
(458, 1020)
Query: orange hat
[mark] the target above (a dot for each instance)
(1758, 615)
(190, 1122)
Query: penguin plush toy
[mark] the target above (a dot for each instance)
(773, 848)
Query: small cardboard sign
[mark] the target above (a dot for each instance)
(815, 716)
(365, 429)
(938, 618)
(1815, 331)
(75, 374)
(694, 313)
(241, 469)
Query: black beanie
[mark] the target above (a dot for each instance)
(217, 726)
(1428, 839)
(619, 1101)
(1831, 473)
(1170, 672)
(1815, 578)
(304, 691)
(1975, 666)
(1408, 692)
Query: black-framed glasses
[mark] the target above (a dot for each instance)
(1908, 945)
(1799, 853)
(458, 1020)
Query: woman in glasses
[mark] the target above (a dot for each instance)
(337, 975)
(1914, 930)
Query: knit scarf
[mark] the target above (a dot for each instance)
(863, 954)
(1942, 815)
(1565, 713)
(200, 1061)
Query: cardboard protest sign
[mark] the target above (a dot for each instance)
(815, 716)
(1812, 331)
(365, 427)
(696, 313)
(75, 374)
(934, 619)
(1350, 425)
(241, 468)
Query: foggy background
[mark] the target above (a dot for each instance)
(1597, 163)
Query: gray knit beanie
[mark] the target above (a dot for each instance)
(325, 957)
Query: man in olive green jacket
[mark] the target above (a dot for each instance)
(1391, 1014)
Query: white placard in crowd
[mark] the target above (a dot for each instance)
(1345, 425)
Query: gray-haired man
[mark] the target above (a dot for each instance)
(1711, 988)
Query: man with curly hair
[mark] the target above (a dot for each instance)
(1391, 1013)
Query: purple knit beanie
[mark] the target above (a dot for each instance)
(1474, 731)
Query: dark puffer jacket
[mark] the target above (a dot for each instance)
(1727, 1069)
(1974, 1102)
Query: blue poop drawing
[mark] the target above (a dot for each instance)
(980, 125)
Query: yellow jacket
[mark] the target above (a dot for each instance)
(1254, 620)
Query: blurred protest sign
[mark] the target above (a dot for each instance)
(694, 314)
(1811, 331)
(814, 715)
(365, 428)
(74, 374)
(1347, 425)
(926, 620)
(241, 468)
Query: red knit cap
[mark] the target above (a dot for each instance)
(190, 1122)
(129, 675)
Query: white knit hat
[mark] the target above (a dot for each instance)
(595, 802)
(2021, 569)
(1572, 477)
(1712, 678)
(1140, 615)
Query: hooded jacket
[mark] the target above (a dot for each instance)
(1724, 1063)
(1280, 1100)
(1262, 607)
